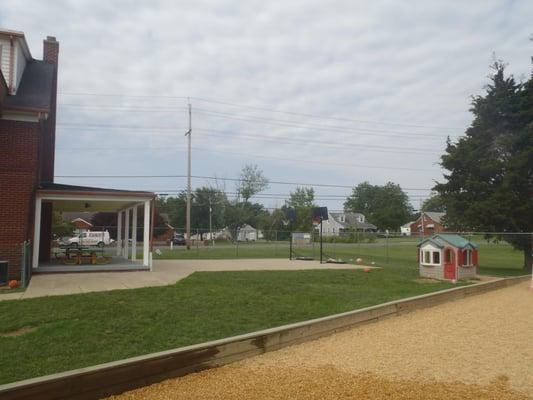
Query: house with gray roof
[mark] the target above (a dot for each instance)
(338, 224)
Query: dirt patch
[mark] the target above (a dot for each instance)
(474, 348)
(19, 332)
(326, 382)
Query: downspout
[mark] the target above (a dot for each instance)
(11, 63)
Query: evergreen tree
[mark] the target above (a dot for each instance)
(489, 186)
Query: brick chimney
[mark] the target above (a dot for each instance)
(47, 145)
(50, 49)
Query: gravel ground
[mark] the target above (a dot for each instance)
(476, 348)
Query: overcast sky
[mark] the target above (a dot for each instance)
(334, 92)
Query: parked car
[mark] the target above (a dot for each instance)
(89, 238)
(179, 240)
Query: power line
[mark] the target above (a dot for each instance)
(272, 110)
(253, 118)
(296, 124)
(369, 147)
(216, 179)
(251, 155)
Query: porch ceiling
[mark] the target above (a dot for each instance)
(91, 205)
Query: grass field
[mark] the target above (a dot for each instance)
(46, 335)
(52, 334)
(494, 259)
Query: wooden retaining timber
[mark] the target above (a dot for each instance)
(116, 377)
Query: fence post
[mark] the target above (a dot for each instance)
(237, 244)
(387, 245)
(276, 243)
(23, 274)
(197, 250)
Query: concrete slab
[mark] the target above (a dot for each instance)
(165, 272)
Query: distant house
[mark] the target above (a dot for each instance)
(338, 224)
(247, 233)
(428, 223)
(405, 230)
(81, 225)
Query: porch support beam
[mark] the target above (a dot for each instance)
(126, 251)
(134, 234)
(36, 232)
(119, 233)
(146, 234)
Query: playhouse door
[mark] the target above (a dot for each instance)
(449, 264)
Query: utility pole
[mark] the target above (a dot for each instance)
(188, 217)
(210, 223)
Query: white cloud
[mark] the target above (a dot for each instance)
(405, 63)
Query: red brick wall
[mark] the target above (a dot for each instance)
(19, 147)
(416, 228)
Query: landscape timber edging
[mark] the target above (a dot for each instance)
(116, 377)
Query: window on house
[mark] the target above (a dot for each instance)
(467, 257)
(448, 256)
(427, 257)
(436, 257)
(333, 230)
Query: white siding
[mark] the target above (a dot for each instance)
(466, 272)
(429, 270)
(4, 58)
(330, 227)
(20, 64)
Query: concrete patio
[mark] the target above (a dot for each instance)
(165, 272)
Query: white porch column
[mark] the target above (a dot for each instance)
(119, 233)
(146, 234)
(126, 250)
(36, 233)
(134, 234)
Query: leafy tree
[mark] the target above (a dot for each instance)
(303, 201)
(239, 214)
(434, 203)
(386, 206)
(251, 182)
(60, 227)
(275, 225)
(489, 183)
(206, 199)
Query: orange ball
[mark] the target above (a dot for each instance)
(13, 284)
(366, 270)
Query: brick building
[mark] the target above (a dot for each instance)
(28, 194)
(28, 90)
(429, 222)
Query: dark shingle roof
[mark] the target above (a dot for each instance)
(35, 89)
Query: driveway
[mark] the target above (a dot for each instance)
(165, 272)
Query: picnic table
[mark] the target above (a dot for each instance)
(81, 255)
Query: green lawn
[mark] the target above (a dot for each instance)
(81, 330)
(494, 259)
(67, 332)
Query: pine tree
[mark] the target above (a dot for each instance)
(489, 184)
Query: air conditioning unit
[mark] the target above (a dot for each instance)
(3, 272)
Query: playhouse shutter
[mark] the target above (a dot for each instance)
(474, 257)
(460, 257)
(418, 254)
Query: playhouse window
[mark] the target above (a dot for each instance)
(467, 257)
(427, 257)
(448, 256)
(436, 257)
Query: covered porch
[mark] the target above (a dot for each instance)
(129, 249)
